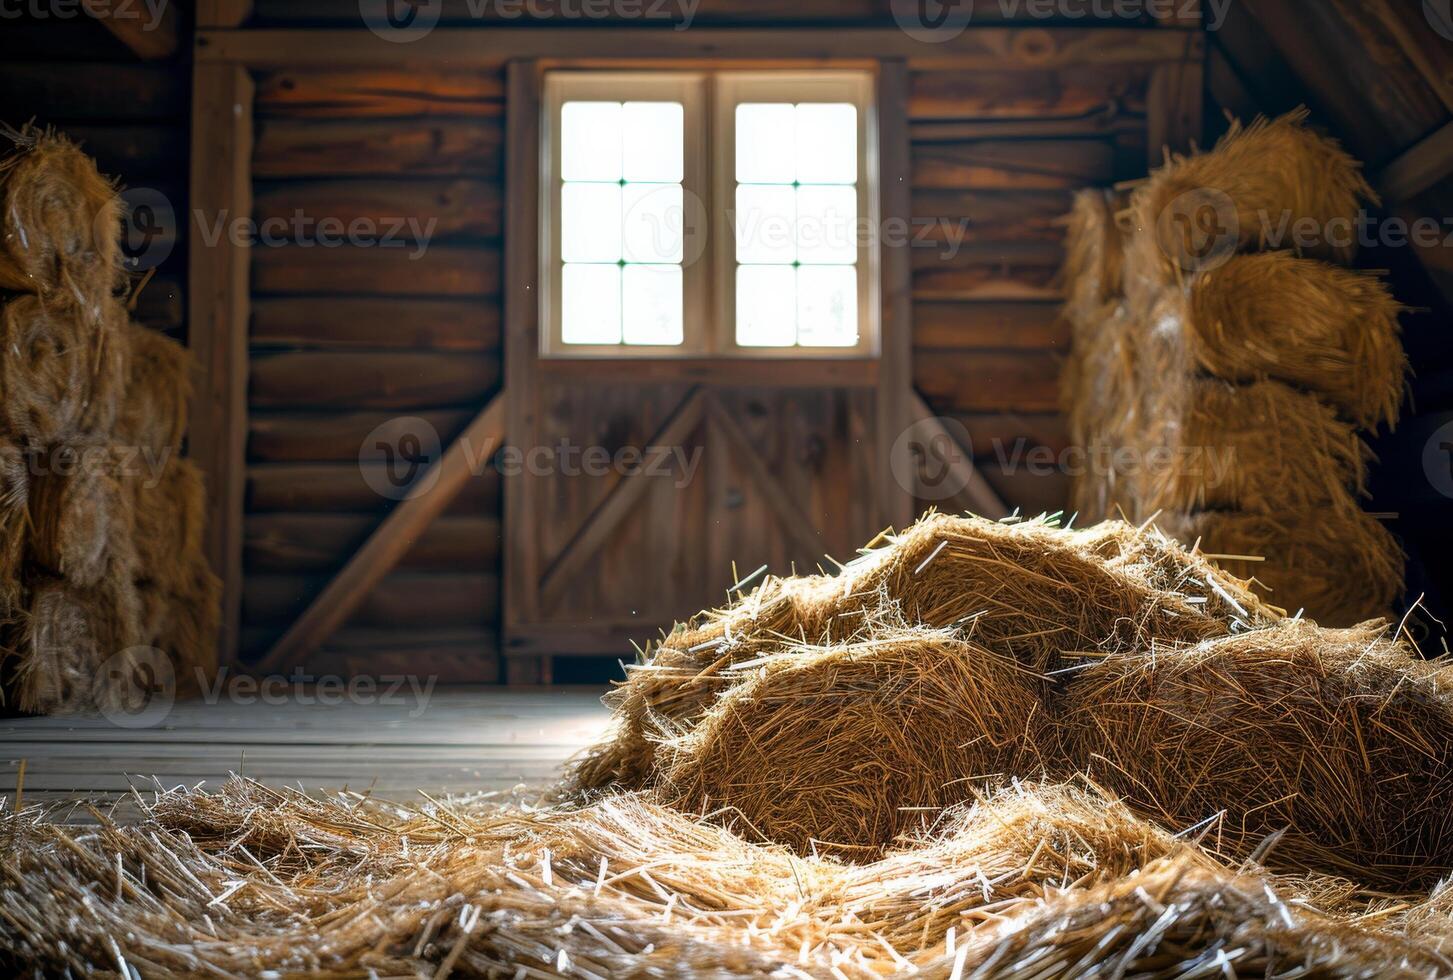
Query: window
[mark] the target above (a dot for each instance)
(693, 214)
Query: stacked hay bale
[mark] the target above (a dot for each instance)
(1229, 385)
(101, 553)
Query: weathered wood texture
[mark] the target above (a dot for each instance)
(346, 339)
(218, 314)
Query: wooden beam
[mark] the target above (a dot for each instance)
(1174, 107)
(979, 497)
(494, 46)
(1426, 49)
(429, 497)
(223, 13)
(221, 185)
(627, 493)
(1227, 86)
(895, 364)
(1419, 168)
(151, 33)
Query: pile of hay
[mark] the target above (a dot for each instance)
(844, 748)
(1037, 880)
(914, 799)
(1229, 387)
(1337, 740)
(102, 523)
(1026, 589)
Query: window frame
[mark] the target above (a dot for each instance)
(709, 96)
(734, 88)
(688, 88)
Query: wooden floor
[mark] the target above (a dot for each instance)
(455, 740)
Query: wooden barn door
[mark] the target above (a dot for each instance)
(698, 470)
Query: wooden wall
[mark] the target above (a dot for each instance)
(344, 339)
(996, 157)
(73, 75)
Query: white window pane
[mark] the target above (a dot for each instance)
(590, 222)
(827, 225)
(652, 304)
(766, 306)
(827, 143)
(827, 306)
(590, 141)
(653, 133)
(590, 310)
(653, 222)
(766, 222)
(765, 143)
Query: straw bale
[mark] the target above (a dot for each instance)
(171, 518)
(1103, 407)
(251, 880)
(180, 595)
(82, 518)
(14, 501)
(1026, 589)
(64, 638)
(61, 224)
(1254, 177)
(185, 622)
(1339, 564)
(1312, 325)
(1094, 254)
(1261, 447)
(1339, 739)
(61, 378)
(154, 411)
(842, 749)
(1098, 384)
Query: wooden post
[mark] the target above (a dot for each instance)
(221, 192)
(895, 365)
(1419, 168)
(520, 542)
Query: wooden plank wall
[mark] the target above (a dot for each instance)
(345, 339)
(72, 74)
(996, 158)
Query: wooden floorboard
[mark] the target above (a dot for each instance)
(453, 740)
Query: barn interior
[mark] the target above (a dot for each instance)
(850, 488)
